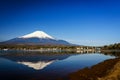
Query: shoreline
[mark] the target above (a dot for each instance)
(114, 73)
(106, 70)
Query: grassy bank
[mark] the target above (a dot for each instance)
(107, 70)
(114, 74)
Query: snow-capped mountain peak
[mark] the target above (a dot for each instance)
(36, 38)
(38, 34)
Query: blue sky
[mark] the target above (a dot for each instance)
(84, 22)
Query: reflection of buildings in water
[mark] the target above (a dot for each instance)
(87, 49)
(38, 65)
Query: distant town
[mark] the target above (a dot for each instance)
(78, 49)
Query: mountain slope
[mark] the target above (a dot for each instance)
(36, 38)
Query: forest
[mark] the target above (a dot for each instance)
(115, 46)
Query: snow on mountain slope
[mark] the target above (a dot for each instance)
(37, 34)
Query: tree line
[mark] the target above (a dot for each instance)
(115, 46)
(20, 47)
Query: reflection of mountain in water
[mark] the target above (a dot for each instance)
(34, 57)
(38, 65)
(36, 61)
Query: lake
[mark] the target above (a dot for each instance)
(20, 65)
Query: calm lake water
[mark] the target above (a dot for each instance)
(19, 65)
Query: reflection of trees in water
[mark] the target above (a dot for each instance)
(32, 53)
(35, 56)
(26, 53)
(112, 53)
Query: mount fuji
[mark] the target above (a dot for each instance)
(36, 38)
